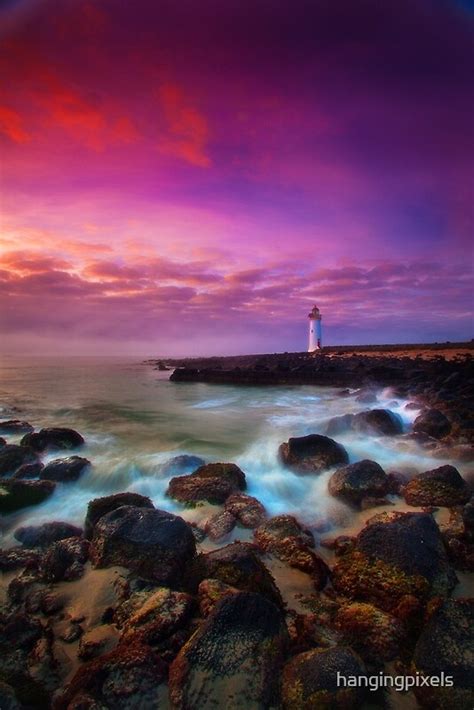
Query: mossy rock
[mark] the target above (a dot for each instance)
(443, 486)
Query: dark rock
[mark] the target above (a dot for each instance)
(372, 633)
(310, 680)
(8, 698)
(13, 456)
(358, 481)
(15, 494)
(46, 534)
(248, 510)
(18, 557)
(96, 641)
(377, 421)
(127, 677)
(312, 454)
(65, 470)
(446, 646)
(236, 565)
(395, 555)
(15, 426)
(181, 465)
(53, 439)
(156, 545)
(443, 486)
(432, 422)
(214, 482)
(2, 442)
(220, 525)
(234, 659)
(210, 592)
(284, 537)
(29, 470)
(339, 425)
(100, 506)
(468, 515)
(65, 560)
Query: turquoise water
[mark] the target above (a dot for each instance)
(134, 419)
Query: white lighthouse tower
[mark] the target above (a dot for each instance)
(315, 337)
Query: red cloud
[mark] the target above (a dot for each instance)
(11, 124)
(188, 128)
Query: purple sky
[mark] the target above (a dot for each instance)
(190, 177)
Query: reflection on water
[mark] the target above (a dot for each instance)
(134, 419)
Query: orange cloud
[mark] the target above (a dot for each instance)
(11, 124)
(188, 128)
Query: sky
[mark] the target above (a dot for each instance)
(190, 177)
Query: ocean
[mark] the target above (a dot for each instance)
(134, 419)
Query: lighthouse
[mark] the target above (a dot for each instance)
(315, 338)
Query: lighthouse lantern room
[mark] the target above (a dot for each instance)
(315, 338)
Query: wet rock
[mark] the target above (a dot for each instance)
(128, 677)
(366, 397)
(339, 425)
(360, 480)
(15, 426)
(210, 592)
(65, 560)
(395, 555)
(312, 454)
(220, 526)
(100, 506)
(18, 557)
(46, 534)
(432, 422)
(377, 421)
(458, 538)
(65, 470)
(234, 659)
(446, 646)
(248, 510)
(15, 494)
(181, 465)
(236, 565)
(156, 545)
(372, 633)
(214, 482)
(29, 470)
(150, 617)
(284, 537)
(468, 515)
(51, 603)
(443, 486)
(53, 439)
(310, 680)
(13, 456)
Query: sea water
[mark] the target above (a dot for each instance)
(134, 419)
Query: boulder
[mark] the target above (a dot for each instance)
(12, 457)
(65, 560)
(181, 465)
(210, 592)
(15, 494)
(248, 510)
(443, 486)
(236, 565)
(312, 454)
(394, 556)
(15, 426)
(361, 480)
(150, 617)
(284, 537)
(377, 421)
(53, 439)
(446, 647)
(220, 525)
(432, 422)
(234, 659)
(44, 535)
(214, 482)
(372, 633)
(310, 680)
(156, 545)
(65, 470)
(29, 470)
(339, 425)
(100, 506)
(128, 677)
